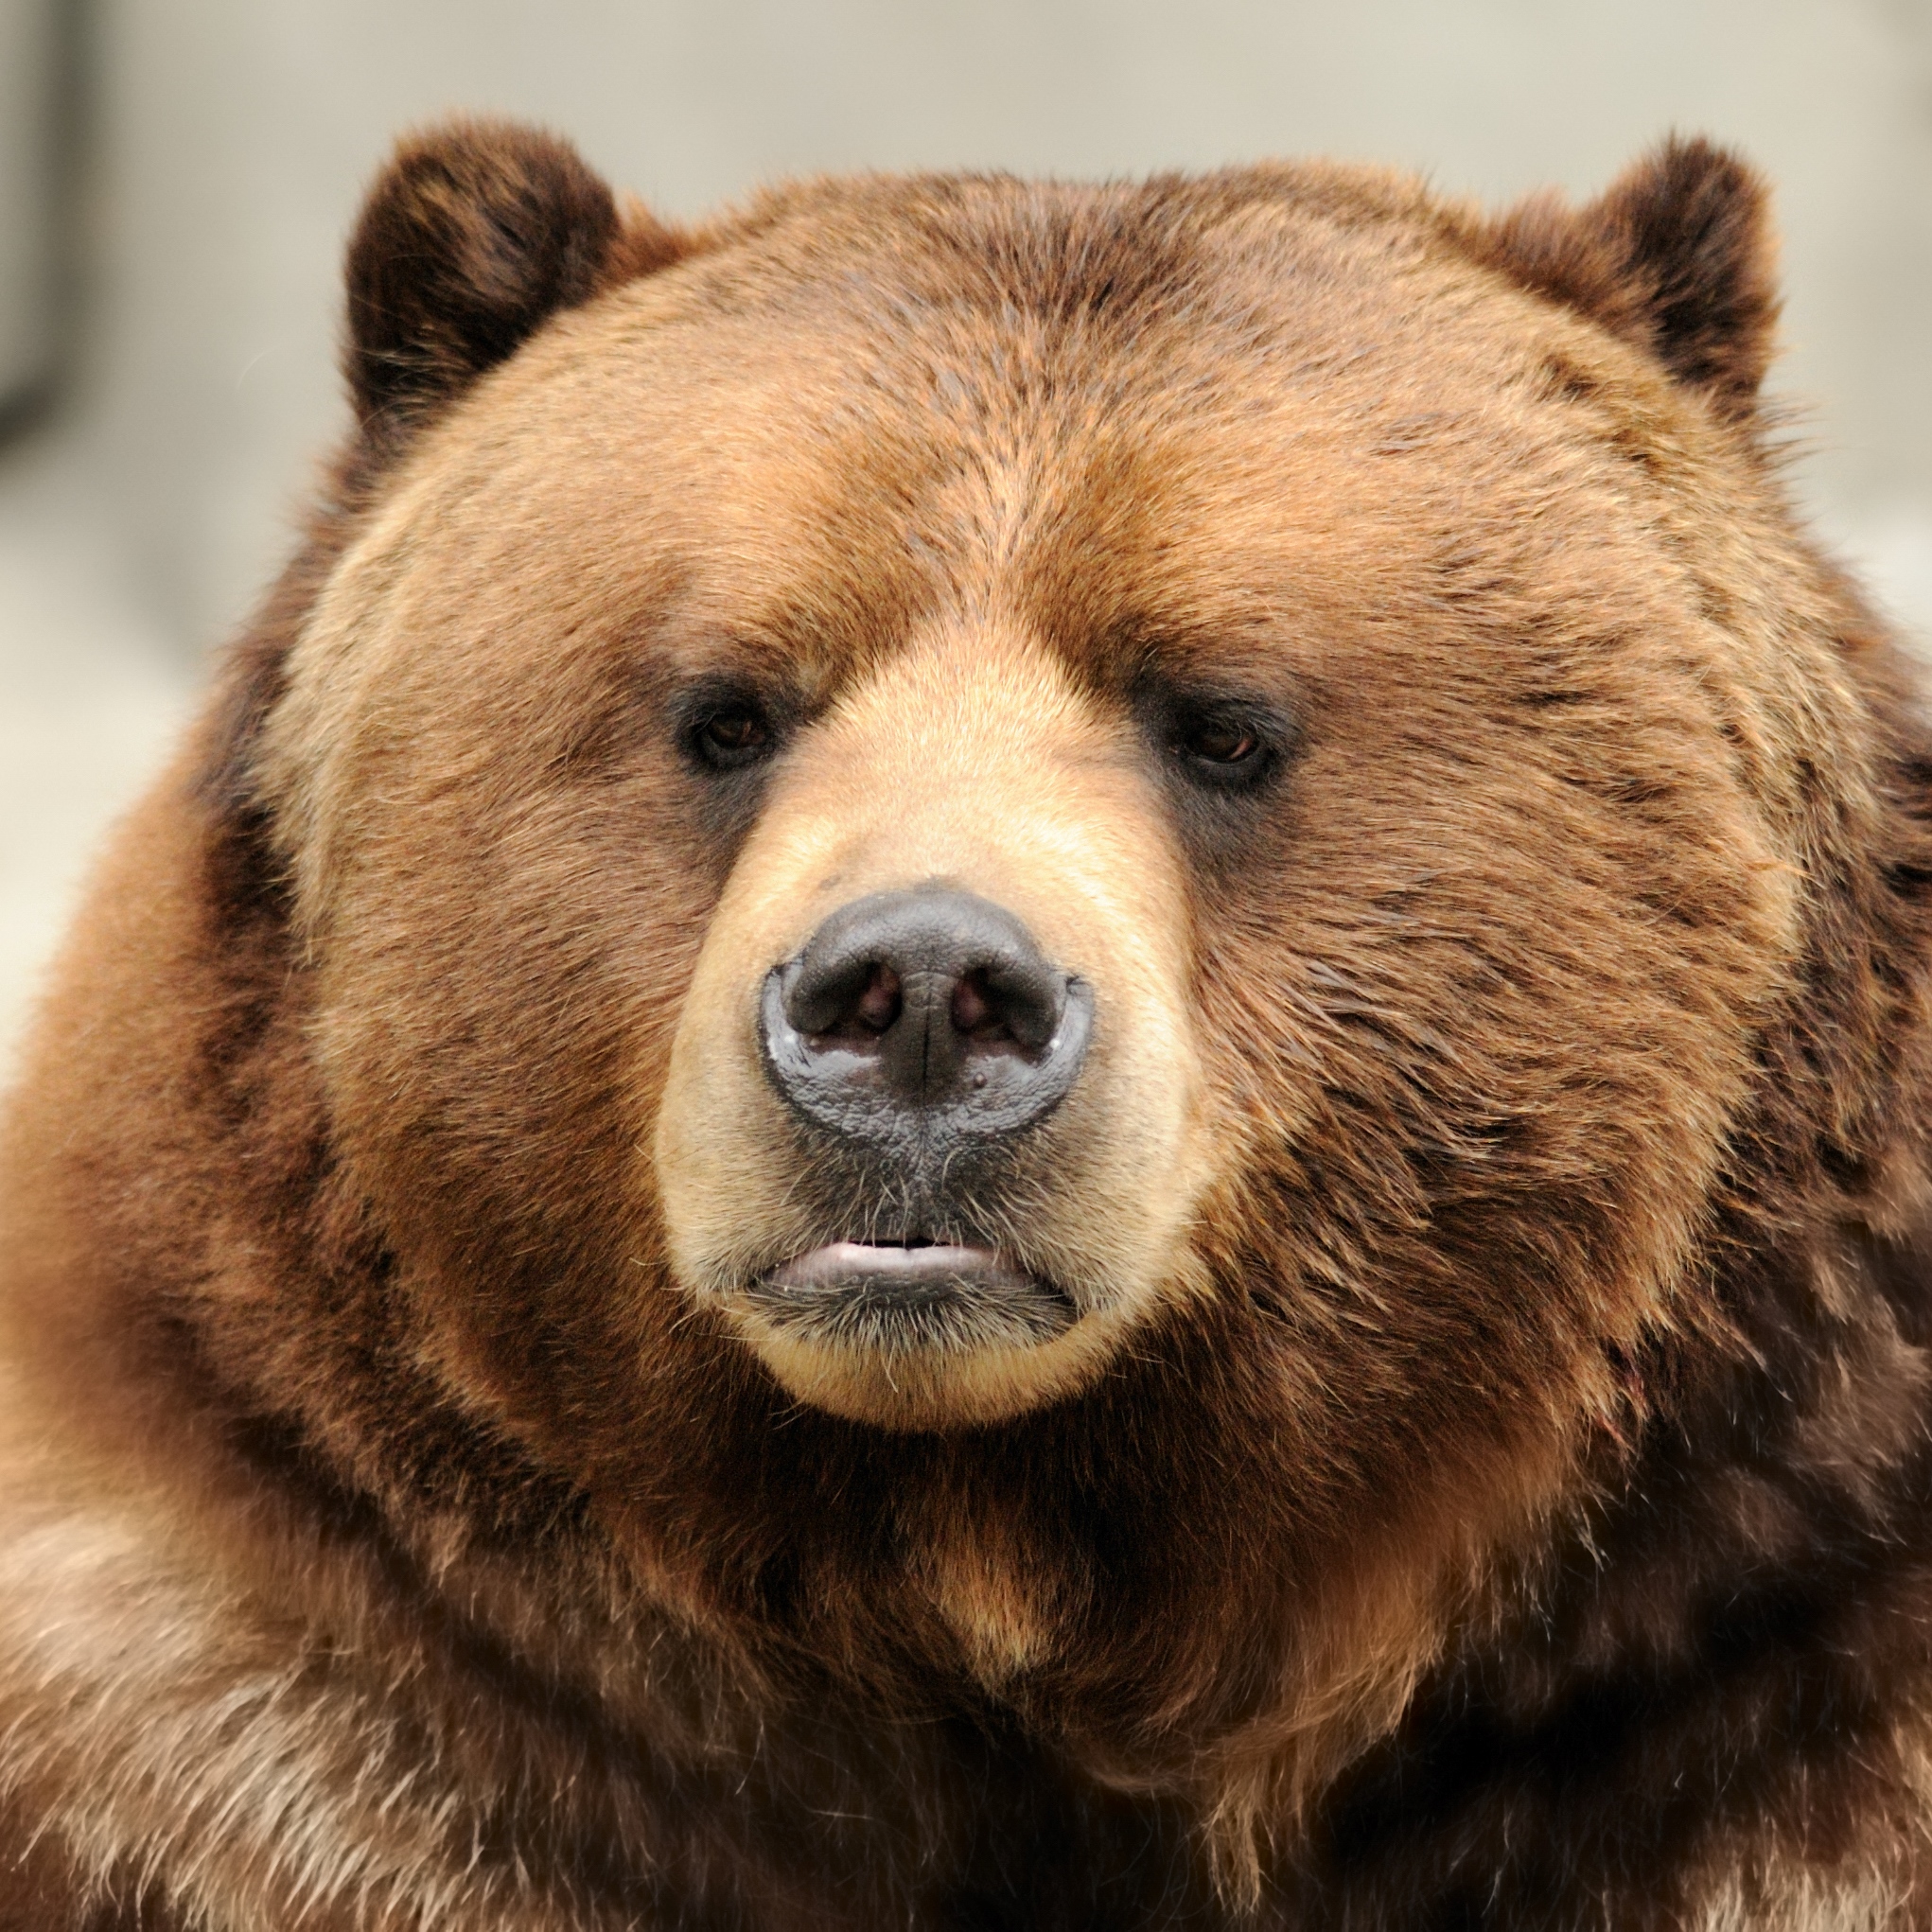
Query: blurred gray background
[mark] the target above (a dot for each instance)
(176, 178)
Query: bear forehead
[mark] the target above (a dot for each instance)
(1178, 409)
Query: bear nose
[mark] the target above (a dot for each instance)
(929, 1012)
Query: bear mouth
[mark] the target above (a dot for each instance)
(926, 1297)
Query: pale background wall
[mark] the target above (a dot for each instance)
(227, 142)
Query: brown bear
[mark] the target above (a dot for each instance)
(1013, 1055)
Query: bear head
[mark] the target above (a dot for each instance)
(1049, 933)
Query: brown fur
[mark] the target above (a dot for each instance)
(1491, 1483)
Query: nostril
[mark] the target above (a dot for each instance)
(856, 1005)
(879, 1005)
(1011, 998)
(844, 999)
(975, 1011)
(1007, 1003)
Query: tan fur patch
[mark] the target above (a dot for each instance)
(1801, 1901)
(968, 761)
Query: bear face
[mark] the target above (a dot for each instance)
(1097, 956)
(974, 626)
(1254, 607)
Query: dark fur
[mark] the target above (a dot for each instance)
(469, 242)
(1678, 260)
(648, 1645)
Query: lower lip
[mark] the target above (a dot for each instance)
(913, 1272)
(936, 1300)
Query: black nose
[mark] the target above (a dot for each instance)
(923, 1016)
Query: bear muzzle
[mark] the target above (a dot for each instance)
(932, 1129)
(918, 1033)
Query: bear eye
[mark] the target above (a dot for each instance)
(1219, 741)
(733, 735)
(1228, 748)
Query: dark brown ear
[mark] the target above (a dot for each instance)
(1677, 257)
(476, 233)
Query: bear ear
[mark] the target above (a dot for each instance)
(475, 233)
(1678, 256)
